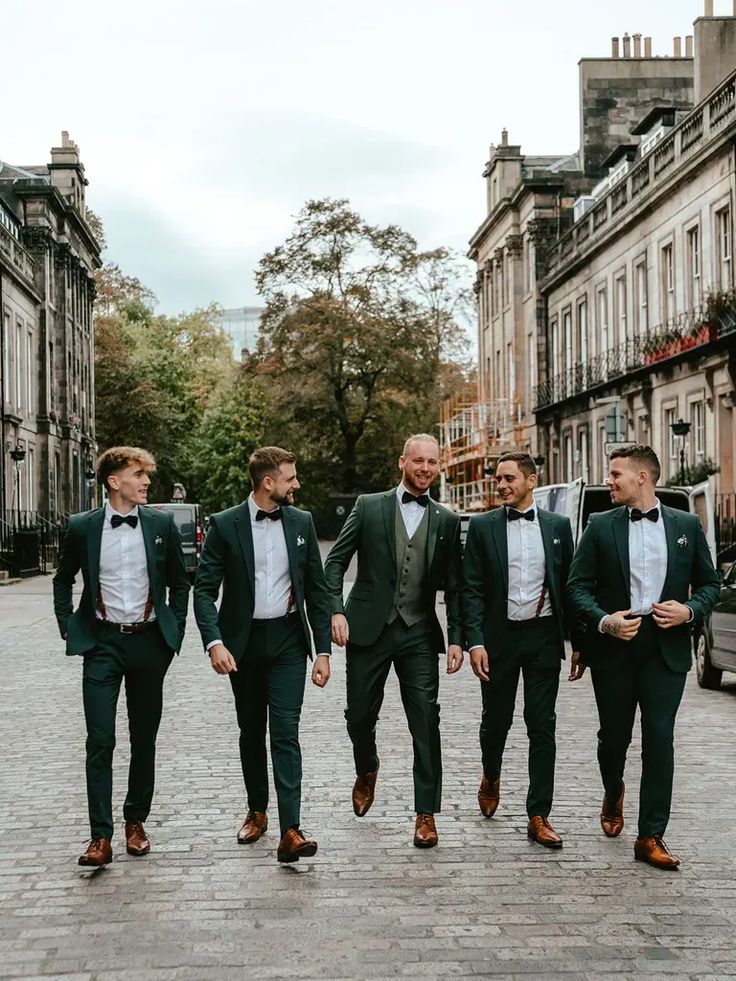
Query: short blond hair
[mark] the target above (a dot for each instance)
(419, 438)
(118, 458)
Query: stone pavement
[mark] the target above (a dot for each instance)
(486, 902)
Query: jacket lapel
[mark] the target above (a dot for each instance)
(389, 505)
(498, 533)
(548, 541)
(245, 537)
(671, 529)
(434, 522)
(621, 537)
(147, 527)
(290, 525)
(94, 544)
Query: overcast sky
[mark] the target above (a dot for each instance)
(204, 126)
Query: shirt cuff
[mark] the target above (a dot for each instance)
(475, 648)
(692, 613)
(600, 623)
(212, 643)
(323, 655)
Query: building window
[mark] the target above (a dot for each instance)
(642, 298)
(583, 454)
(697, 432)
(620, 296)
(567, 336)
(693, 268)
(497, 381)
(723, 234)
(602, 442)
(668, 283)
(555, 345)
(6, 362)
(31, 480)
(583, 332)
(497, 286)
(603, 319)
(30, 370)
(528, 264)
(670, 441)
(19, 346)
(532, 349)
(567, 459)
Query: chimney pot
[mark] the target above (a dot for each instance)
(678, 47)
(627, 46)
(637, 45)
(504, 137)
(647, 47)
(689, 46)
(708, 8)
(614, 48)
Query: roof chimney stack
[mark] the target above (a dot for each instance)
(647, 47)
(689, 46)
(504, 137)
(615, 48)
(708, 8)
(637, 45)
(677, 47)
(627, 46)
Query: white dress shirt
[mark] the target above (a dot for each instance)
(527, 568)
(123, 576)
(412, 513)
(272, 572)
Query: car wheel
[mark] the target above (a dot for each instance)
(708, 676)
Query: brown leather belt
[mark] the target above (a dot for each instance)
(128, 628)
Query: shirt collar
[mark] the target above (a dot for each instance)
(401, 490)
(254, 509)
(110, 511)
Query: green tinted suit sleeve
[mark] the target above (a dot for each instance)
(473, 602)
(210, 572)
(340, 555)
(63, 581)
(176, 578)
(581, 585)
(318, 601)
(453, 591)
(704, 581)
(568, 550)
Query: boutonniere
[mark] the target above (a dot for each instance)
(682, 541)
(159, 540)
(557, 541)
(300, 540)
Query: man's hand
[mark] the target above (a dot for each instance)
(671, 614)
(222, 660)
(617, 626)
(577, 670)
(479, 663)
(321, 670)
(455, 658)
(340, 629)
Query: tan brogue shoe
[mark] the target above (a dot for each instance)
(654, 851)
(254, 825)
(97, 854)
(612, 818)
(364, 792)
(425, 832)
(489, 795)
(294, 846)
(136, 839)
(540, 830)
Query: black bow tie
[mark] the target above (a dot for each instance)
(637, 515)
(513, 515)
(422, 500)
(129, 519)
(271, 515)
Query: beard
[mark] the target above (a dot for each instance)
(282, 499)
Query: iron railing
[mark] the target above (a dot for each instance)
(725, 513)
(30, 541)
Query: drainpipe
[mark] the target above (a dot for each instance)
(3, 340)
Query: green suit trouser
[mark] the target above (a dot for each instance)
(534, 651)
(142, 660)
(415, 659)
(642, 679)
(269, 690)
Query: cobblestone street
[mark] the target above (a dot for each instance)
(486, 902)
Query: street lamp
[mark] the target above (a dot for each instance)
(681, 429)
(17, 455)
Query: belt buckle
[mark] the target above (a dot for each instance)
(126, 628)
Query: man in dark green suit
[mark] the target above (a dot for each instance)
(265, 555)
(124, 628)
(515, 569)
(408, 548)
(641, 580)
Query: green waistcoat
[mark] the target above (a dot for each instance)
(411, 564)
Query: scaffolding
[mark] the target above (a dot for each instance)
(474, 432)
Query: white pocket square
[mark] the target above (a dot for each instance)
(300, 540)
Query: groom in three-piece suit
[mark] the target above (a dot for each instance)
(125, 629)
(641, 580)
(408, 548)
(515, 569)
(265, 555)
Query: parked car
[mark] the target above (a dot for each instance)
(190, 522)
(715, 645)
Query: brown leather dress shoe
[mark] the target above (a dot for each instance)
(255, 824)
(136, 840)
(654, 851)
(294, 846)
(540, 830)
(612, 818)
(97, 854)
(489, 795)
(364, 792)
(425, 832)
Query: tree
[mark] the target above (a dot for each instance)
(357, 326)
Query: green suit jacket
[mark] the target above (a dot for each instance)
(81, 551)
(486, 577)
(370, 530)
(600, 579)
(228, 559)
